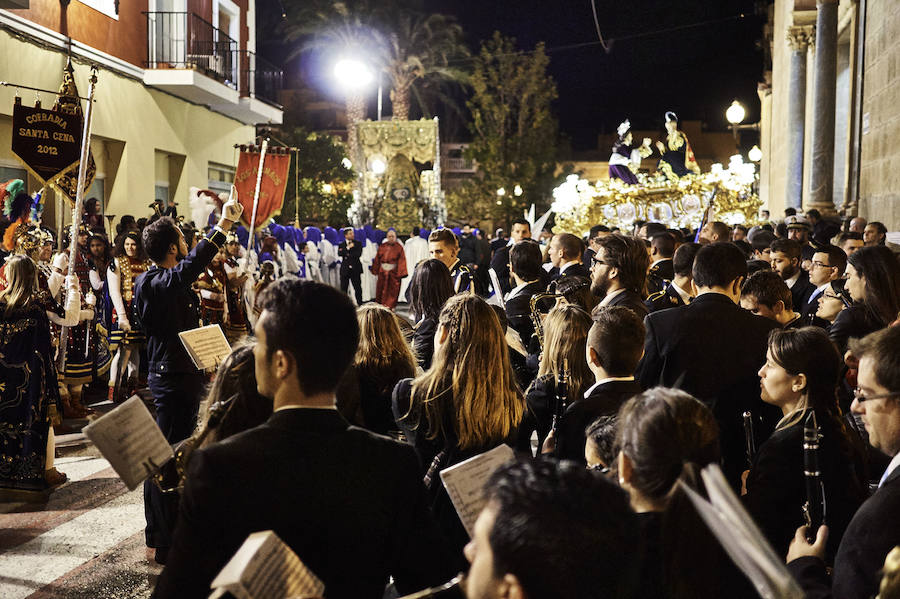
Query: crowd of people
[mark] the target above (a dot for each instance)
(617, 366)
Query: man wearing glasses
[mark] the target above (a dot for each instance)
(828, 264)
(875, 529)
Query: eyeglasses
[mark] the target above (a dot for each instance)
(818, 264)
(599, 468)
(596, 261)
(859, 397)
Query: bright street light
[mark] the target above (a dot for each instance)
(517, 190)
(735, 113)
(501, 192)
(353, 74)
(755, 154)
(327, 188)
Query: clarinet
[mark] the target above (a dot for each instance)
(749, 439)
(814, 508)
(452, 589)
(562, 396)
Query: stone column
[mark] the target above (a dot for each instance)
(799, 38)
(821, 181)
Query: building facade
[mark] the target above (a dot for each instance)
(179, 84)
(831, 108)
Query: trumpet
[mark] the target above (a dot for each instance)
(155, 207)
(536, 313)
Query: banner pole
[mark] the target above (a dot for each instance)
(259, 173)
(79, 201)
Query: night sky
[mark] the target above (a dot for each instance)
(695, 71)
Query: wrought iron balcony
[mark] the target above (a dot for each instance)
(260, 79)
(182, 40)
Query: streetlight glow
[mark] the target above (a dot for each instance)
(353, 74)
(755, 154)
(517, 190)
(378, 166)
(735, 113)
(501, 192)
(327, 188)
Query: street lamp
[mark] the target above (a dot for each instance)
(517, 190)
(501, 192)
(735, 115)
(353, 74)
(755, 154)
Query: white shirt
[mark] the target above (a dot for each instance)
(819, 291)
(895, 462)
(684, 295)
(518, 290)
(658, 261)
(296, 407)
(606, 380)
(611, 296)
(563, 267)
(790, 282)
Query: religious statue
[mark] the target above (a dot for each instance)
(625, 162)
(677, 158)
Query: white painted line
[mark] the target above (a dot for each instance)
(62, 549)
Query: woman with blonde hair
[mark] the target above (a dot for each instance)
(382, 359)
(28, 375)
(565, 338)
(467, 403)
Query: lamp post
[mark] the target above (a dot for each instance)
(735, 116)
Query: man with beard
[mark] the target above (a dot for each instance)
(786, 255)
(619, 273)
(166, 305)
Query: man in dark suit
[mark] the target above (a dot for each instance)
(351, 268)
(521, 229)
(662, 270)
(444, 246)
(166, 305)
(713, 349)
(525, 264)
(565, 255)
(500, 240)
(679, 292)
(786, 258)
(350, 503)
(875, 529)
(593, 243)
(619, 273)
(614, 345)
(828, 264)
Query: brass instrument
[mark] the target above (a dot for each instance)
(536, 314)
(170, 476)
(156, 208)
(463, 269)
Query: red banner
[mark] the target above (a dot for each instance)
(272, 186)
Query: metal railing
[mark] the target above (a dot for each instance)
(260, 79)
(181, 40)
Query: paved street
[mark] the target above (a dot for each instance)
(86, 541)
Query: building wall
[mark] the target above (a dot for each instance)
(132, 124)
(880, 155)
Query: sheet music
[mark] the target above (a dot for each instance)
(265, 567)
(207, 346)
(130, 439)
(465, 482)
(741, 538)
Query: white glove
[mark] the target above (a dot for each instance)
(232, 210)
(90, 299)
(124, 325)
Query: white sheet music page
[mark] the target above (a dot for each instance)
(130, 439)
(264, 567)
(207, 346)
(465, 482)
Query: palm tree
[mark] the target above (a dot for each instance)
(420, 49)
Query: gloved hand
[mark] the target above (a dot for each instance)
(232, 210)
(124, 325)
(91, 300)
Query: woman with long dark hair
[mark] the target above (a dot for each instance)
(430, 288)
(873, 281)
(467, 403)
(800, 377)
(382, 360)
(126, 337)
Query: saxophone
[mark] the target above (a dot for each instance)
(536, 314)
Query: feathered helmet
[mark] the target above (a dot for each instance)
(16, 208)
(671, 117)
(623, 129)
(29, 239)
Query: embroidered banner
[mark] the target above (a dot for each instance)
(47, 142)
(271, 190)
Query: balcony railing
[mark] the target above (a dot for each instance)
(260, 79)
(181, 40)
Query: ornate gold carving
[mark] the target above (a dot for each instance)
(801, 37)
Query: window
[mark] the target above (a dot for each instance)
(220, 177)
(12, 172)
